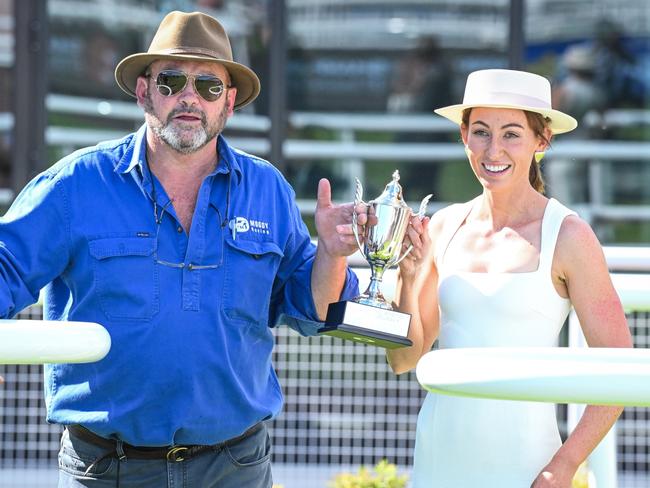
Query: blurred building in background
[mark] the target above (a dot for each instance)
(368, 71)
(361, 80)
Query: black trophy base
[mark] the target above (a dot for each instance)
(367, 324)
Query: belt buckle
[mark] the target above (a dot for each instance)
(175, 454)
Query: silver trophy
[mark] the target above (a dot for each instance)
(369, 318)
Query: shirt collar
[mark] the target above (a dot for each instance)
(136, 156)
(136, 153)
(228, 159)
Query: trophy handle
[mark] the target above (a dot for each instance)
(423, 209)
(358, 198)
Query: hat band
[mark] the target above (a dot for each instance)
(507, 98)
(190, 51)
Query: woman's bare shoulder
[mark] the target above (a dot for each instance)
(577, 245)
(577, 235)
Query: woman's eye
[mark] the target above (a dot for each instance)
(511, 135)
(480, 133)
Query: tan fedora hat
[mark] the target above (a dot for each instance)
(504, 88)
(192, 37)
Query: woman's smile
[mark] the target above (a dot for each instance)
(496, 169)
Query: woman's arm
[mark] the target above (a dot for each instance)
(417, 294)
(579, 267)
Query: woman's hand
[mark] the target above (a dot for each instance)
(417, 235)
(546, 479)
(555, 474)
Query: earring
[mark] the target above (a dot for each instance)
(539, 155)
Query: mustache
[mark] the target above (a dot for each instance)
(187, 110)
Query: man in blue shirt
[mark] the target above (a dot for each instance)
(187, 251)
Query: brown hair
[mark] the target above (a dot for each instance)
(538, 123)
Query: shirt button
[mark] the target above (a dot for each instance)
(179, 229)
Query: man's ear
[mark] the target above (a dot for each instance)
(141, 89)
(232, 96)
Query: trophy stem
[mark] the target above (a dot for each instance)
(373, 295)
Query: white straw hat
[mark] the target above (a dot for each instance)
(504, 88)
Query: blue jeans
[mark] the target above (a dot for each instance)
(245, 464)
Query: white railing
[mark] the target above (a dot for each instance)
(345, 145)
(634, 292)
(633, 288)
(346, 148)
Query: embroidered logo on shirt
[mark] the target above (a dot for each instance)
(239, 225)
(259, 226)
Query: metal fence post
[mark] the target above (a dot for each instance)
(29, 89)
(278, 81)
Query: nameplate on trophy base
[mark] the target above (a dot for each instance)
(367, 324)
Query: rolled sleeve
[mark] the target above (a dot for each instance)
(292, 303)
(298, 310)
(310, 327)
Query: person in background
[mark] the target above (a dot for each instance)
(421, 79)
(504, 269)
(420, 83)
(578, 94)
(618, 71)
(187, 251)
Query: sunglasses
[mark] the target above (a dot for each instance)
(169, 82)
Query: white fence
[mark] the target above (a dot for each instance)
(250, 134)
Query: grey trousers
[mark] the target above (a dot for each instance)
(247, 463)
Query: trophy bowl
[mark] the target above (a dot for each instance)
(369, 318)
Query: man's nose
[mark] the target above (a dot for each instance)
(189, 91)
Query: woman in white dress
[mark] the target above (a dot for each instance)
(504, 270)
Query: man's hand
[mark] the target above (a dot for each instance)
(334, 223)
(336, 241)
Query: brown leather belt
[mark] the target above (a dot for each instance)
(170, 453)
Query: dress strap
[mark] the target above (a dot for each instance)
(458, 214)
(554, 215)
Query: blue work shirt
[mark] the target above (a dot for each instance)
(190, 361)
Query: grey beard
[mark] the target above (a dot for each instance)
(183, 145)
(171, 136)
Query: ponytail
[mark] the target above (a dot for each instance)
(535, 176)
(538, 123)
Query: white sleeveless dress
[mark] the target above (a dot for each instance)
(477, 443)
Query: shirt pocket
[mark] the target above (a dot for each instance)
(126, 277)
(250, 270)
